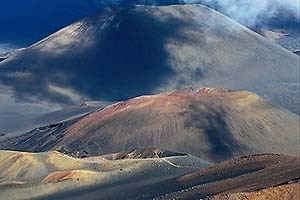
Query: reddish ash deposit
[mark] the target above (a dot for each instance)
(58, 176)
(166, 102)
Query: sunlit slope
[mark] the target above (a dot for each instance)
(248, 177)
(282, 192)
(53, 175)
(213, 124)
(126, 51)
(28, 176)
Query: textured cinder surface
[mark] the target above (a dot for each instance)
(244, 174)
(213, 124)
(283, 192)
(123, 52)
(52, 175)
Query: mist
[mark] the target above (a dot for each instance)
(253, 12)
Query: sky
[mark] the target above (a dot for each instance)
(25, 22)
(254, 12)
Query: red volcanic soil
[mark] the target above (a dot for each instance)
(213, 124)
(55, 176)
(244, 174)
(58, 176)
(173, 100)
(282, 192)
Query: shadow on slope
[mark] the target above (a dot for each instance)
(244, 174)
(134, 50)
(131, 59)
(213, 124)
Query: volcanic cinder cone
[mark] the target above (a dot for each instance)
(129, 51)
(213, 124)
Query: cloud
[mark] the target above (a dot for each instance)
(6, 48)
(72, 95)
(252, 12)
(247, 12)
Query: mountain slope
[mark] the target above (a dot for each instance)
(213, 124)
(286, 192)
(128, 51)
(245, 174)
(39, 175)
(52, 175)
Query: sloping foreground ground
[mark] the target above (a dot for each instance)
(282, 192)
(56, 176)
(244, 174)
(31, 175)
(213, 124)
